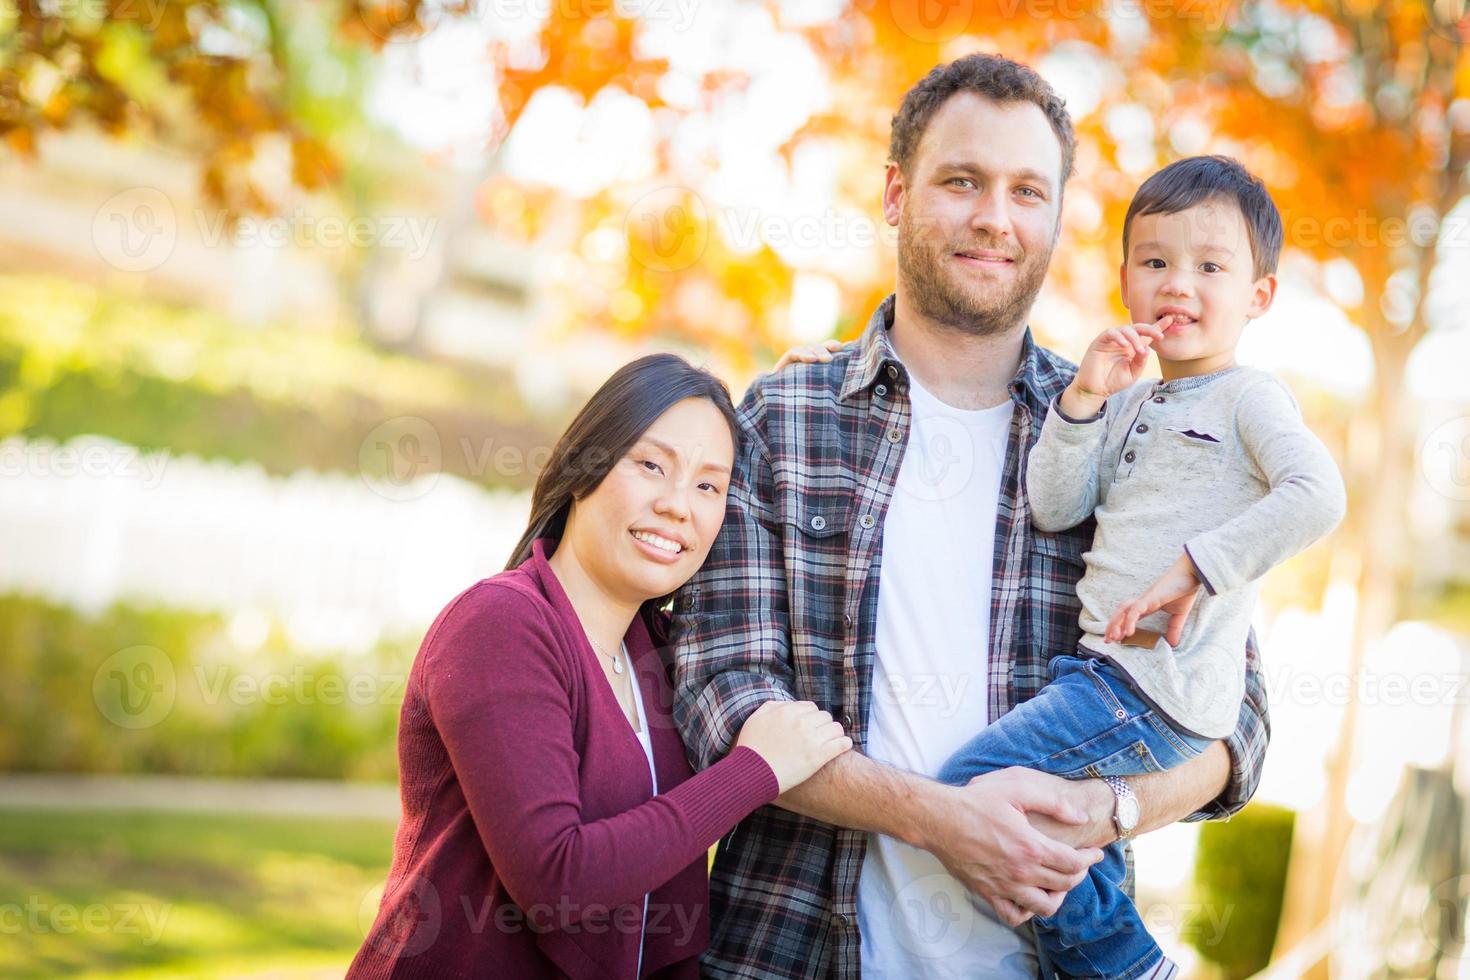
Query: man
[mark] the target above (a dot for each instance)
(878, 558)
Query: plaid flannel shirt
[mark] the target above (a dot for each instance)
(786, 606)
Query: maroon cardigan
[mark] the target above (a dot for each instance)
(530, 832)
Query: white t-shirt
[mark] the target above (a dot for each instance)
(647, 742)
(929, 689)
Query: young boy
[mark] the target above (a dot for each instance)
(1205, 479)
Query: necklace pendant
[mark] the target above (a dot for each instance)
(617, 665)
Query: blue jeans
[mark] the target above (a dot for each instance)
(1087, 722)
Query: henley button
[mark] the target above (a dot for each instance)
(1128, 457)
(1142, 427)
(1159, 399)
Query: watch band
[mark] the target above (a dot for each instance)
(1122, 792)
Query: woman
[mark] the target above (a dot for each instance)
(551, 824)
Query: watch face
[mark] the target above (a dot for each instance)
(1128, 812)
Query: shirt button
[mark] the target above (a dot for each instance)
(894, 435)
(846, 621)
(819, 522)
(881, 390)
(892, 371)
(867, 521)
(1128, 457)
(839, 920)
(1159, 399)
(846, 721)
(1143, 427)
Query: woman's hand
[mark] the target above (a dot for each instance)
(1174, 592)
(796, 738)
(810, 354)
(1114, 361)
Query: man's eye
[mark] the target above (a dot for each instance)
(961, 180)
(1033, 192)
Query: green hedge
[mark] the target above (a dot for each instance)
(76, 361)
(1240, 882)
(211, 708)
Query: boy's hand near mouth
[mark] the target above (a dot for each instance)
(1114, 361)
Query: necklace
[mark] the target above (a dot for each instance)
(616, 660)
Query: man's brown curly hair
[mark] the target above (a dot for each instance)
(996, 78)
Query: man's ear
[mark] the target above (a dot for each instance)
(893, 190)
(1262, 298)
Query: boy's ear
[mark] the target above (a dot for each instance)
(893, 188)
(1123, 280)
(1264, 295)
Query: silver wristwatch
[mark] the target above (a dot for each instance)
(1125, 807)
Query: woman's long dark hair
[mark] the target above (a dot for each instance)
(606, 428)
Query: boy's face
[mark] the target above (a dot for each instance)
(1196, 263)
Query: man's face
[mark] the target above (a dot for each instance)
(978, 216)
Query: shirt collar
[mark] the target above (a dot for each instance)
(876, 356)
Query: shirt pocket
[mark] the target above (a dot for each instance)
(1197, 449)
(817, 525)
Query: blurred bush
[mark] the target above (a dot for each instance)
(1240, 871)
(265, 710)
(78, 361)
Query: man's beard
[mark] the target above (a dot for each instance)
(928, 272)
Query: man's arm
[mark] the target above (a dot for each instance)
(979, 831)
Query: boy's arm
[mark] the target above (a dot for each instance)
(1306, 500)
(1062, 469)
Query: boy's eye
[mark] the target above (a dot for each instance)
(1153, 263)
(1209, 267)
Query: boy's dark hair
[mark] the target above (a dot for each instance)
(1184, 183)
(990, 75)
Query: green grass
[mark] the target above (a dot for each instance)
(106, 893)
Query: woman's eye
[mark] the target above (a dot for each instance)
(710, 487)
(650, 465)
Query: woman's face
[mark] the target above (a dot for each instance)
(647, 527)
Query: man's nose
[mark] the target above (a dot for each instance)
(992, 213)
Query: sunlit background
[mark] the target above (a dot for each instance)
(294, 298)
